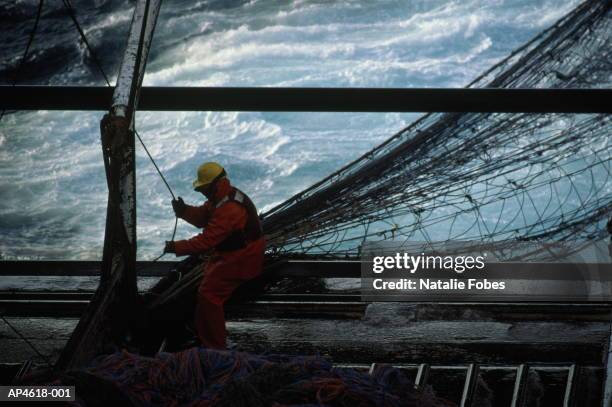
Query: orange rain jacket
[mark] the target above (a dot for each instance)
(219, 223)
(225, 269)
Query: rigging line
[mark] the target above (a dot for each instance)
(27, 49)
(72, 14)
(155, 164)
(26, 340)
(99, 66)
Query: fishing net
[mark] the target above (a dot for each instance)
(497, 178)
(204, 377)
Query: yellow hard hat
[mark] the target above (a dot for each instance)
(207, 173)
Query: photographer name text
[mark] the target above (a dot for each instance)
(411, 264)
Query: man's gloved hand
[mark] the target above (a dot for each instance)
(179, 206)
(169, 248)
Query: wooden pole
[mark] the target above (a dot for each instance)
(112, 315)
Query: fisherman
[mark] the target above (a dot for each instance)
(233, 236)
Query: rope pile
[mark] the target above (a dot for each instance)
(203, 377)
(492, 178)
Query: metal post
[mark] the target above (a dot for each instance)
(520, 386)
(570, 386)
(469, 387)
(118, 142)
(422, 375)
(110, 317)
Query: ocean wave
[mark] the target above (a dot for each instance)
(51, 172)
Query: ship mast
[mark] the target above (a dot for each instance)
(112, 313)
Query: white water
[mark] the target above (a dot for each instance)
(52, 179)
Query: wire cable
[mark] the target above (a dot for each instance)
(155, 164)
(27, 341)
(72, 15)
(27, 49)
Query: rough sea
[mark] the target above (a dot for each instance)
(52, 180)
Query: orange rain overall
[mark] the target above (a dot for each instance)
(232, 228)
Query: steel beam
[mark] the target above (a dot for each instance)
(76, 268)
(290, 268)
(487, 100)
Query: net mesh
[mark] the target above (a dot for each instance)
(494, 177)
